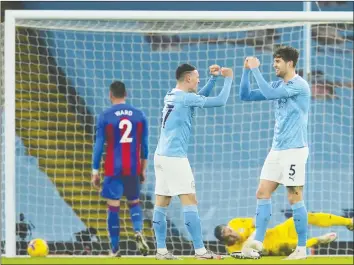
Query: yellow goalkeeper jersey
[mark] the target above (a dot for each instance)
(277, 240)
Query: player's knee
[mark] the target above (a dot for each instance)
(265, 189)
(294, 199)
(133, 202)
(263, 193)
(114, 203)
(163, 201)
(294, 194)
(188, 199)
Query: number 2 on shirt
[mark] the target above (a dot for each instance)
(127, 124)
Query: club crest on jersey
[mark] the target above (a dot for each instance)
(281, 102)
(124, 112)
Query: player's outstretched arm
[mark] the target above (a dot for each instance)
(194, 100)
(144, 150)
(245, 93)
(221, 99)
(224, 94)
(214, 70)
(270, 92)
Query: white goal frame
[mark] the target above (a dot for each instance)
(11, 16)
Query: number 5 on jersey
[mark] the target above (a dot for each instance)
(126, 127)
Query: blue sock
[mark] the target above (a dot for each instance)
(301, 222)
(193, 225)
(113, 227)
(263, 213)
(136, 216)
(159, 224)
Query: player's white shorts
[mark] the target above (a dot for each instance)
(286, 167)
(173, 175)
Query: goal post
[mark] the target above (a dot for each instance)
(159, 22)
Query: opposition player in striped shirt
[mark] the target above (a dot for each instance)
(286, 161)
(124, 129)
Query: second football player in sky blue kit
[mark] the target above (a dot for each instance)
(172, 169)
(286, 162)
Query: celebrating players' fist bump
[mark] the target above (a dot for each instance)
(226, 72)
(252, 62)
(214, 69)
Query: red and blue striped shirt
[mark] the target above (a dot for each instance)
(124, 129)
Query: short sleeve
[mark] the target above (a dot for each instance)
(194, 100)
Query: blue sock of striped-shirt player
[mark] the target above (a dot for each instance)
(113, 224)
(192, 223)
(136, 216)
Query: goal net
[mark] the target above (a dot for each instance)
(63, 71)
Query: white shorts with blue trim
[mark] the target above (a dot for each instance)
(173, 175)
(287, 167)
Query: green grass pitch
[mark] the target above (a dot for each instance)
(186, 260)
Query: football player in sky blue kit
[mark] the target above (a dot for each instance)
(125, 131)
(173, 173)
(286, 161)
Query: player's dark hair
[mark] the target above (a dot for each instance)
(218, 232)
(117, 89)
(287, 53)
(184, 69)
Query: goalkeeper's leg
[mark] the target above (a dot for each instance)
(327, 220)
(324, 239)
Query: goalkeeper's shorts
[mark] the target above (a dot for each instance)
(174, 176)
(114, 188)
(286, 167)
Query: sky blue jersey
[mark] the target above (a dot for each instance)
(291, 102)
(178, 113)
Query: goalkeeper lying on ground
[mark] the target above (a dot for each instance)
(279, 240)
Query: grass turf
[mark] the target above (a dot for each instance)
(187, 260)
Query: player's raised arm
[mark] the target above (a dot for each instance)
(98, 150)
(194, 100)
(144, 150)
(283, 91)
(245, 93)
(214, 70)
